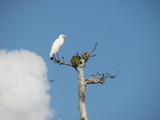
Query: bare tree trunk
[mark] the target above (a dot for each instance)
(82, 89)
(78, 62)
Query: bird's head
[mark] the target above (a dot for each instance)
(62, 35)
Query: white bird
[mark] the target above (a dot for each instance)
(56, 45)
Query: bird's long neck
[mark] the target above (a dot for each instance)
(61, 38)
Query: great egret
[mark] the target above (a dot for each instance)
(56, 45)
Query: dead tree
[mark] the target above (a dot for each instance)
(78, 62)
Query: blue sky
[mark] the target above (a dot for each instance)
(128, 33)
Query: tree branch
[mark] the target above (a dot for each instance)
(93, 50)
(94, 81)
(99, 78)
(87, 55)
(62, 62)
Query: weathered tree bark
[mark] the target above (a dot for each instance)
(82, 89)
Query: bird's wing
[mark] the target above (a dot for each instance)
(55, 47)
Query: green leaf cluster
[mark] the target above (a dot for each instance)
(75, 60)
(82, 119)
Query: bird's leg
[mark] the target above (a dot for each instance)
(54, 57)
(57, 56)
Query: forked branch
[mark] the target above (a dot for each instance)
(93, 50)
(99, 78)
(86, 56)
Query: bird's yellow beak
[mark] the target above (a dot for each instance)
(65, 35)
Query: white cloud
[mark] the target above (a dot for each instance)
(23, 86)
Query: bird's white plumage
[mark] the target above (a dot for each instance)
(57, 44)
